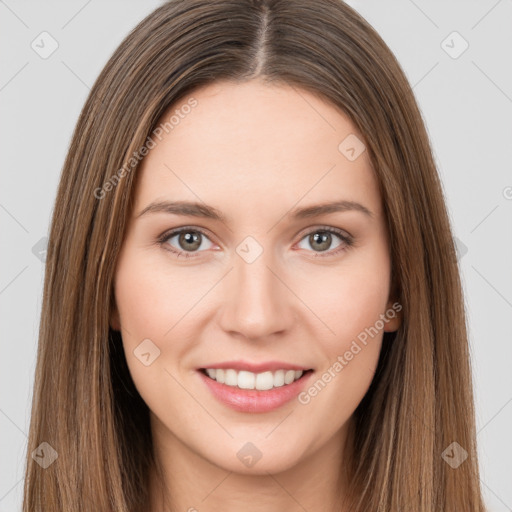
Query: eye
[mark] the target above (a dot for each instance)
(321, 239)
(189, 240)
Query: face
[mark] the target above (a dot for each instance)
(246, 278)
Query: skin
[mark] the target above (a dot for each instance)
(275, 148)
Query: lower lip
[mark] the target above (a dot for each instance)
(252, 400)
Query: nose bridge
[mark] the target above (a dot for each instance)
(258, 303)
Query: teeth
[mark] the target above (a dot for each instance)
(248, 380)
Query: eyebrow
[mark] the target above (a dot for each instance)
(195, 209)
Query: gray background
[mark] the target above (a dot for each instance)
(466, 101)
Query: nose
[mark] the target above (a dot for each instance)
(257, 301)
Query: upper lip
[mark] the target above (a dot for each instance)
(268, 366)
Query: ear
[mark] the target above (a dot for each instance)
(393, 313)
(393, 316)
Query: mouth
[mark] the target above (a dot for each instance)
(246, 380)
(249, 397)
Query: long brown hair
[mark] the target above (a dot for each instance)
(85, 405)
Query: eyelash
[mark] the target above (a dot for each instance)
(347, 240)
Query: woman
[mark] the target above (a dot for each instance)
(198, 349)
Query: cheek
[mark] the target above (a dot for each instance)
(350, 348)
(352, 352)
(147, 299)
(350, 303)
(349, 298)
(156, 301)
(356, 308)
(146, 302)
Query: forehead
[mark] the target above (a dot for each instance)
(264, 145)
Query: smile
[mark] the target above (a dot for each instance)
(249, 392)
(250, 380)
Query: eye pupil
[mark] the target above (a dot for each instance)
(323, 237)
